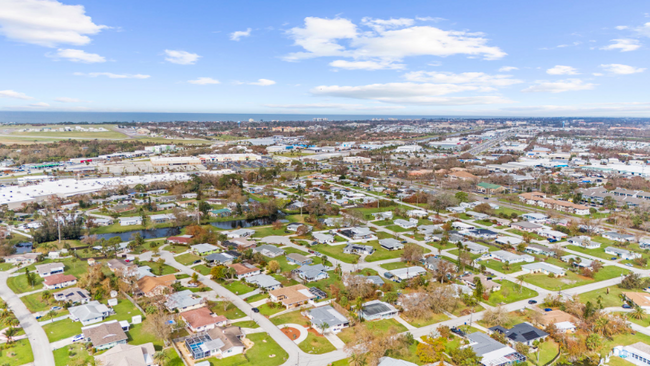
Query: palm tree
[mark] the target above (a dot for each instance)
(358, 359)
(10, 333)
(359, 306)
(638, 313)
(160, 358)
(51, 314)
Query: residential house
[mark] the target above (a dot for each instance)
(375, 310)
(622, 253)
(521, 333)
(584, 242)
(488, 284)
(183, 301)
(222, 212)
(512, 258)
(478, 215)
(483, 234)
(202, 319)
(358, 233)
(294, 226)
(410, 224)
(263, 281)
(72, 295)
(619, 237)
(217, 342)
(270, 251)
(180, 239)
(292, 296)
(130, 221)
(59, 281)
(391, 244)
(402, 274)
(564, 322)
(240, 233)
(640, 299)
(325, 318)
(105, 335)
(539, 250)
(384, 215)
(552, 234)
(538, 218)
(150, 286)
(358, 249)
(90, 313)
(22, 259)
(461, 226)
(526, 226)
(312, 273)
(128, 355)
(204, 249)
(240, 244)
(49, 269)
(322, 238)
(508, 240)
(492, 352)
(298, 259)
(219, 259)
(243, 270)
(637, 353)
(577, 261)
(489, 188)
(417, 213)
(545, 268)
(475, 248)
(162, 218)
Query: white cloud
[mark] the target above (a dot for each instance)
(508, 68)
(562, 70)
(13, 94)
(113, 76)
(68, 100)
(181, 57)
(620, 69)
(597, 74)
(623, 45)
(204, 81)
(46, 22)
(643, 30)
(559, 86)
(79, 56)
(236, 36)
(39, 105)
(410, 93)
(343, 106)
(386, 40)
(430, 19)
(366, 65)
(472, 78)
(621, 27)
(259, 82)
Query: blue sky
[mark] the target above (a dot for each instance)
(520, 58)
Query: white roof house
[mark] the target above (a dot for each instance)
(504, 256)
(545, 268)
(401, 274)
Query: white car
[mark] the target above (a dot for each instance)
(77, 338)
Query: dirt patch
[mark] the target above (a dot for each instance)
(292, 333)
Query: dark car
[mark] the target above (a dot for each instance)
(626, 306)
(458, 331)
(613, 258)
(255, 310)
(532, 302)
(548, 309)
(388, 275)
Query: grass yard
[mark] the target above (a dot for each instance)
(262, 232)
(336, 252)
(156, 268)
(316, 344)
(432, 318)
(258, 355)
(599, 252)
(510, 292)
(187, 259)
(173, 359)
(293, 317)
(35, 303)
(521, 233)
(607, 300)
(202, 269)
(232, 312)
(572, 279)
(347, 335)
(284, 265)
(257, 297)
(498, 266)
(547, 350)
(17, 354)
(18, 284)
(394, 265)
(288, 250)
(398, 229)
(237, 287)
(72, 354)
(246, 324)
(137, 335)
(507, 211)
(6, 266)
(267, 310)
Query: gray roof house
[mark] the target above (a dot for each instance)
(312, 273)
(358, 249)
(391, 244)
(492, 352)
(335, 321)
(105, 335)
(219, 258)
(323, 238)
(73, 295)
(90, 313)
(269, 250)
(49, 269)
(375, 309)
(622, 253)
(264, 281)
(299, 259)
(183, 301)
(522, 333)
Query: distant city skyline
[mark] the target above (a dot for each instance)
(507, 58)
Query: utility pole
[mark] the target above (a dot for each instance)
(58, 224)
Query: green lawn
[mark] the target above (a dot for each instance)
(293, 317)
(547, 350)
(347, 334)
(265, 352)
(288, 250)
(187, 259)
(510, 292)
(398, 229)
(18, 284)
(394, 265)
(173, 359)
(257, 297)
(572, 279)
(336, 252)
(521, 233)
(6, 266)
(267, 310)
(35, 303)
(246, 324)
(155, 268)
(202, 269)
(432, 318)
(137, 335)
(262, 232)
(232, 312)
(237, 287)
(508, 211)
(284, 265)
(72, 354)
(316, 344)
(599, 252)
(498, 266)
(19, 353)
(608, 300)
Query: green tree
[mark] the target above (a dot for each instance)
(462, 196)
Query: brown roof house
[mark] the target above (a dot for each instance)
(128, 355)
(292, 296)
(59, 281)
(217, 342)
(155, 286)
(202, 319)
(244, 270)
(105, 335)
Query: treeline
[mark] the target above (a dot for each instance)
(71, 228)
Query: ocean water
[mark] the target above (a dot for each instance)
(100, 117)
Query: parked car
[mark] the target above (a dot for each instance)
(388, 275)
(78, 337)
(56, 308)
(548, 309)
(626, 306)
(613, 258)
(255, 310)
(532, 302)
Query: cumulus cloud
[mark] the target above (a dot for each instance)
(68, 100)
(113, 76)
(236, 36)
(389, 40)
(39, 105)
(409, 93)
(79, 56)
(621, 27)
(366, 65)
(559, 86)
(562, 70)
(473, 78)
(13, 94)
(181, 57)
(620, 69)
(342, 106)
(259, 82)
(623, 45)
(46, 23)
(508, 68)
(204, 81)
